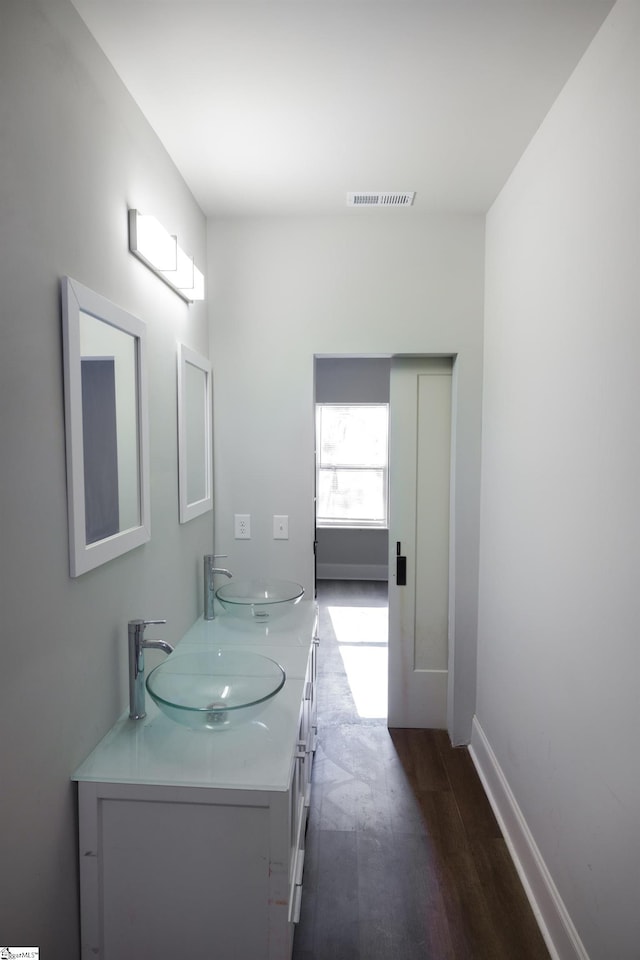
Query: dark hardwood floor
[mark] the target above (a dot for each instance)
(405, 860)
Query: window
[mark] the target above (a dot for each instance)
(352, 464)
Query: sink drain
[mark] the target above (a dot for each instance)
(216, 713)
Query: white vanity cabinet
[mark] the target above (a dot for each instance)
(192, 842)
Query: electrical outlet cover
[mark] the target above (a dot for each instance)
(242, 526)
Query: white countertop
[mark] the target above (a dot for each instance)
(292, 630)
(254, 755)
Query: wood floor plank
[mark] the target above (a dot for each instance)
(400, 899)
(442, 822)
(336, 932)
(509, 910)
(470, 923)
(406, 815)
(474, 807)
(421, 758)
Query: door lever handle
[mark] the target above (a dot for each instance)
(401, 567)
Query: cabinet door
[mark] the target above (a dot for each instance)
(208, 862)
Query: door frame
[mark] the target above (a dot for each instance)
(458, 681)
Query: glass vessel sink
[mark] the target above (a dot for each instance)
(259, 599)
(214, 689)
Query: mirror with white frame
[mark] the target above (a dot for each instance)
(194, 434)
(106, 428)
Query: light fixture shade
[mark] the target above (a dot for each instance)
(149, 240)
(181, 276)
(196, 292)
(160, 251)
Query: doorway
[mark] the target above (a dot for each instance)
(418, 393)
(352, 540)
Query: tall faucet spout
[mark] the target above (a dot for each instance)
(209, 588)
(158, 645)
(137, 646)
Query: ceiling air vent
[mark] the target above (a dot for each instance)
(380, 199)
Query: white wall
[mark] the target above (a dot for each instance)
(352, 554)
(75, 152)
(559, 611)
(377, 282)
(352, 379)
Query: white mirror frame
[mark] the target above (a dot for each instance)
(188, 510)
(78, 299)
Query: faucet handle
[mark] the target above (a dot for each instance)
(149, 622)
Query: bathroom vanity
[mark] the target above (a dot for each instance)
(192, 842)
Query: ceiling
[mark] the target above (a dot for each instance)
(283, 106)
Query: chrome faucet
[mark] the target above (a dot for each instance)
(209, 589)
(137, 646)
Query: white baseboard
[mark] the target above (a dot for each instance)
(352, 571)
(560, 935)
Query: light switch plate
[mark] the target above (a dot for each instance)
(280, 527)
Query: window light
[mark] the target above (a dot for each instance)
(352, 464)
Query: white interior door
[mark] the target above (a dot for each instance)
(419, 524)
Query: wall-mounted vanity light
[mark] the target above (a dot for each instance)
(160, 251)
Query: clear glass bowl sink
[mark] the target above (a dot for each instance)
(257, 599)
(214, 689)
